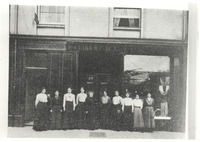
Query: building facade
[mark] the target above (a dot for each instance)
(62, 46)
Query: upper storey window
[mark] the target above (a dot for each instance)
(51, 14)
(127, 18)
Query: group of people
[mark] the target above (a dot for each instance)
(83, 111)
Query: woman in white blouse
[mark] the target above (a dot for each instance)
(41, 116)
(116, 111)
(127, 109)
(138, 122)
(68, 108)
(80, 109)
(105, 106)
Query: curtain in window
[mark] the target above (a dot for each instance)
(132, 22)
(116, 22)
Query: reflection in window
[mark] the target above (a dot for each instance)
(149, 74)
(52, 14)
(138, 68)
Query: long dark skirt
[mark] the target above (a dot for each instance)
(127, 122)
(105, 116)
(116, 112)
(81, 115)
(149, 121)
(91, 119)
(56, 118)
(68, 116)
(41, 121)
(138, 118)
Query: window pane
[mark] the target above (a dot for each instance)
(60, 18)
(52, 14)
(127, 18)
(146, 63)
(126, 22)
(53, 17)
(44, 8)
(52, 9)
(143, 72)
(60, 9)
(138, 68)
(134, 23)
(127, 13)
(44, 17)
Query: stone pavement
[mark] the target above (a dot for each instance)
(28, 132)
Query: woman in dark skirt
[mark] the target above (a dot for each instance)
(56, 112)
(80, 109)
(138, 123)
(105, 106)
(42, 112)
(149, 121)
(116, 112)
(68, 109)
(91, 107)
(127, 109)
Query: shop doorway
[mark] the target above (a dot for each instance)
(100, 70)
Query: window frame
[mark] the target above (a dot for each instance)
(127, 28)
(49, 24)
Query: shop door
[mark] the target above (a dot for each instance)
(36, 71)
(53, 70)
(34, 82)
(100, 70)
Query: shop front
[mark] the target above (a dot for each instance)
(137, 65)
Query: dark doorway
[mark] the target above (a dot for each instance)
(35, 80)
(100, 70)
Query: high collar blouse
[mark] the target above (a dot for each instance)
(69, 97)
(128, 101)
(81, 97)
(117, 100)
(138, 103)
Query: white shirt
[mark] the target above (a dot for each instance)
(69, 97)
(162, 90)
(128, 101)
(41, 98)
(105, 99)
(117, 100)
(138, 103)
(81, 97)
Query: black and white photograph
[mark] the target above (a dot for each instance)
(114, 72)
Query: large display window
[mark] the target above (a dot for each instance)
(149, 74)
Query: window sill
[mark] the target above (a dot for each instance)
(126, 29)
(50, 25)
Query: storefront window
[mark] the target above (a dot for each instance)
(149, 74)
